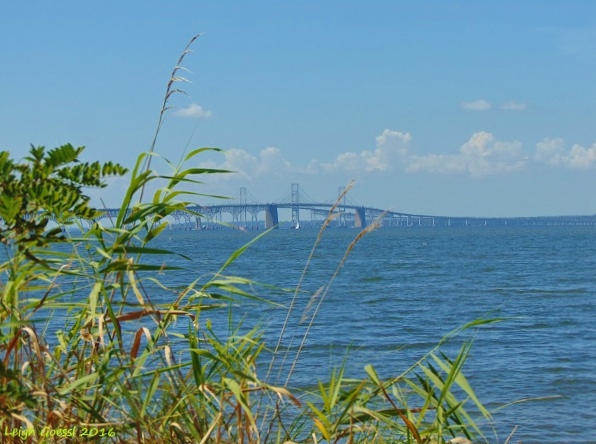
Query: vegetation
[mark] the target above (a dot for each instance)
(109, 374)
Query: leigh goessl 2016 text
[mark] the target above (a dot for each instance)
(59, 432)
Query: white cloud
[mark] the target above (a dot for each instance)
(514, 106)
(582, 158)
(477, 105)
(552, 152)
(391, 149)
(193, 111)
(272, 161)
(482, 155)
(269, 162)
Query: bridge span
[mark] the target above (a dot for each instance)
(245, 216)
(343, 212)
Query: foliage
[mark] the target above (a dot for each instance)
(48, 185)
(94, 372)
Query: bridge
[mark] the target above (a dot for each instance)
(244, 214)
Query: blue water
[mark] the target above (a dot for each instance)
(401, 290)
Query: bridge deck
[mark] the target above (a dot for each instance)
(246, 215)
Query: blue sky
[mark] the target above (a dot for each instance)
(448, 108)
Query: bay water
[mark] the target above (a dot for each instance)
(401, 290)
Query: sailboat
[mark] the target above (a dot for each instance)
(297, 227)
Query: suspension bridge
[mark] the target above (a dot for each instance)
(247, 213)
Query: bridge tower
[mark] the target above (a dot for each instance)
(242, 215)
(342, 206)
(295, 202)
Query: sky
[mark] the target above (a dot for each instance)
(458, 108)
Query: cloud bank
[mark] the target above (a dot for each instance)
(480, 156)
(553, 152)
(391, 148)
(269, 162)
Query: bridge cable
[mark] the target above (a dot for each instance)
(308, 198)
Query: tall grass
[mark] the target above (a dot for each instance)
(109, 374)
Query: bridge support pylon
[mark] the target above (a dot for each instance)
(295, 208)
(360, 218)
(271, 218)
